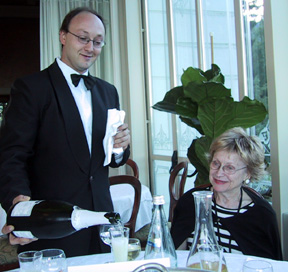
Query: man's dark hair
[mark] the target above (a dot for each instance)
(73, 13)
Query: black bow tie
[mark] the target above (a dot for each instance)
(88, 80)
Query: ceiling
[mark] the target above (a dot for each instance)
(19, 2)
(19, 8)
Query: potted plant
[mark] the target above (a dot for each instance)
(204, 103)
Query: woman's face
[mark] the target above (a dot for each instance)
(227, 172)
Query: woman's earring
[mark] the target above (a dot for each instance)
(247, 181)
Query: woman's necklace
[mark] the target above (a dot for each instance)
(218, 219)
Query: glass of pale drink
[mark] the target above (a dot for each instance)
(119, 241)
(134, 248)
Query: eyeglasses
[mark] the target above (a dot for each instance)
(227, 169)
(86, 40)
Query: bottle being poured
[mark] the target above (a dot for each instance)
(205, 252)
(53, 219)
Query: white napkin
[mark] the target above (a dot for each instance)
(115, 118)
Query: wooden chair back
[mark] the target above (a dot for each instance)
(176, 192)
(135, 183)
(134, 167)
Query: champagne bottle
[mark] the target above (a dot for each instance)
(53, 219)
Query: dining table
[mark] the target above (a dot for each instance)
(234, 261)
(123, 199)
(97, 262)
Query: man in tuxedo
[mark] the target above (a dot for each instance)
(51, 142)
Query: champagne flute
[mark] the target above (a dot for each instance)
(257, 266)
(119, 241)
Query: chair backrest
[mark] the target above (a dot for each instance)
(133, 181)
(253, 191)
(134, 167)
(176, 192)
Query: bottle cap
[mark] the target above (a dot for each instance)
(158, 200)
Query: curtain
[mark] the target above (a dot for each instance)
(52, 13)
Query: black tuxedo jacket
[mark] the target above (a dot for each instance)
(44, 152)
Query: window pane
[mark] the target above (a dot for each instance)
(253, 19)
(185, 34)
(162, 141)
(161, 174)
(219, 21)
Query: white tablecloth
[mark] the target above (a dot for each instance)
(2, 218)
(234, 261)
(123, 199)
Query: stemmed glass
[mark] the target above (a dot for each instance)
(104, 234)
(257, 266)
(134, 248)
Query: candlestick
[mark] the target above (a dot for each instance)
(212, 47)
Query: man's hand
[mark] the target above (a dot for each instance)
(7, 229)
(122, 138)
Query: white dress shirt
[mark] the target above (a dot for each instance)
(82, 97)
(83, 100)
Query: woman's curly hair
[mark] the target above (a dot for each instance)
(249, 148)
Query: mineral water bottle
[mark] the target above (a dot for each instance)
(159, 242)
(53, 219)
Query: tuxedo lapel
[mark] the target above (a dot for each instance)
(71, 117)
(98, 126)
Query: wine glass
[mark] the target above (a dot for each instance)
(104, 234)
(257, 266)
(53, 260)
(134, 248)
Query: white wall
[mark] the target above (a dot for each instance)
(129, 77)
(276, 40)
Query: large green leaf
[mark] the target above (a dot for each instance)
(202, 178)
(186, 107)
(202, 146)
(247, 113)
(215, 115)
(192, 75)
(202, 171)
(192, 122)
(214, 74)
(170, 100)
(200, 92)
(192, 156)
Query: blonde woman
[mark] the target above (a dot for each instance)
(243, 221)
